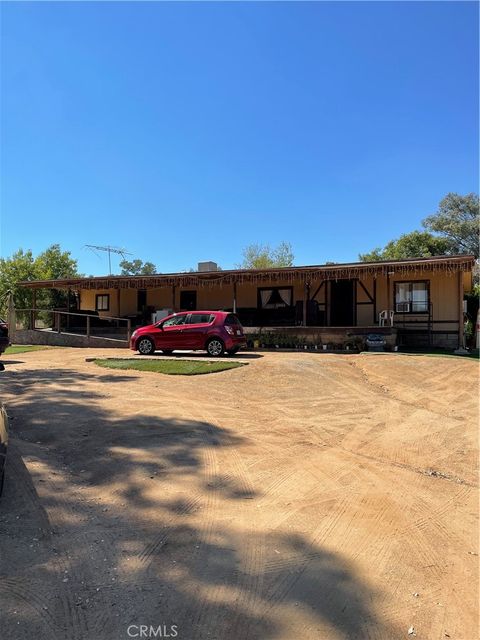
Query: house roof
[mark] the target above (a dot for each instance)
(336, 271)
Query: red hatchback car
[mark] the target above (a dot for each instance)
(212, 331)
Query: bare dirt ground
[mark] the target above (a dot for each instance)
(303, 496)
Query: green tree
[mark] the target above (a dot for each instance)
(137, 268)
(53, 263)
(457, 220)
(20, 266)
(417, 244)
(257, 256)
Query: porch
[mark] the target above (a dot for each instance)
(421, 299)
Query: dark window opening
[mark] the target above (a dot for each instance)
(188, 300)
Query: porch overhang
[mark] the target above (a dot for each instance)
(280, 275)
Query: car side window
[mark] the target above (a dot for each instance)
(174, 321)
(200, 318)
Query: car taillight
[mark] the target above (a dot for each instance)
(229, 330)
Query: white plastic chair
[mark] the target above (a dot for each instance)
(385, 317)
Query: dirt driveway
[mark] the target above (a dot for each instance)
(303, 496)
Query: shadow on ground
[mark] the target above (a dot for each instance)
(114, 523)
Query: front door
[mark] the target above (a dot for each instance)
(342, 303)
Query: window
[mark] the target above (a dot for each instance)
(275, 297)
(411, 297)
(200, 318)
(175, 321)
(102, 302)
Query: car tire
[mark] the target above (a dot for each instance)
(215, 347)
(145, 346)
(232, 352)
(167, 352)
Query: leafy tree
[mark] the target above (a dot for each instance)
(137, 268)
(51, 264)
(455, 228)
(257, 256)
(457, 220)
(20, 266)
(417, 244)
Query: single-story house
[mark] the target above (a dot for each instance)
(418, 301)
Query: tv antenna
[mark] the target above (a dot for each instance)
(109, 250)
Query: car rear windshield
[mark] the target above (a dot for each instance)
(232, 319)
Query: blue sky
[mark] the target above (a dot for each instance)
(184, 132)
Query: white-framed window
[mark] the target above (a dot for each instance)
(411, 297)
(102, 302)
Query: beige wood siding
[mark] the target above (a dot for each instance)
(443, 296)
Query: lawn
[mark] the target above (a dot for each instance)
(169, 367)
(444, 353)
(23, 348)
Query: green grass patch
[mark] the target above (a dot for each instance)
(440, 353)
(23, 348)
(169, 367)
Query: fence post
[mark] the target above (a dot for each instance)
(88, 326)
(129, 329)
(59, 329)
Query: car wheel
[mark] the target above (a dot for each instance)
(232, 352)
(145, 346)
(167, 352)
(215, 347)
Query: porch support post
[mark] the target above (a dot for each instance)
(173, 297)
(68, 307)
(118, 303)
(305, 294)
(461, 344)
(388, 290)
(234, 297)
(34, 306)
(375, 320)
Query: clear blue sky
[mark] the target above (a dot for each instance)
(185, 132)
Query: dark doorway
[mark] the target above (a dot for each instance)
(188, 300)
(342, 303)
(141, 300)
